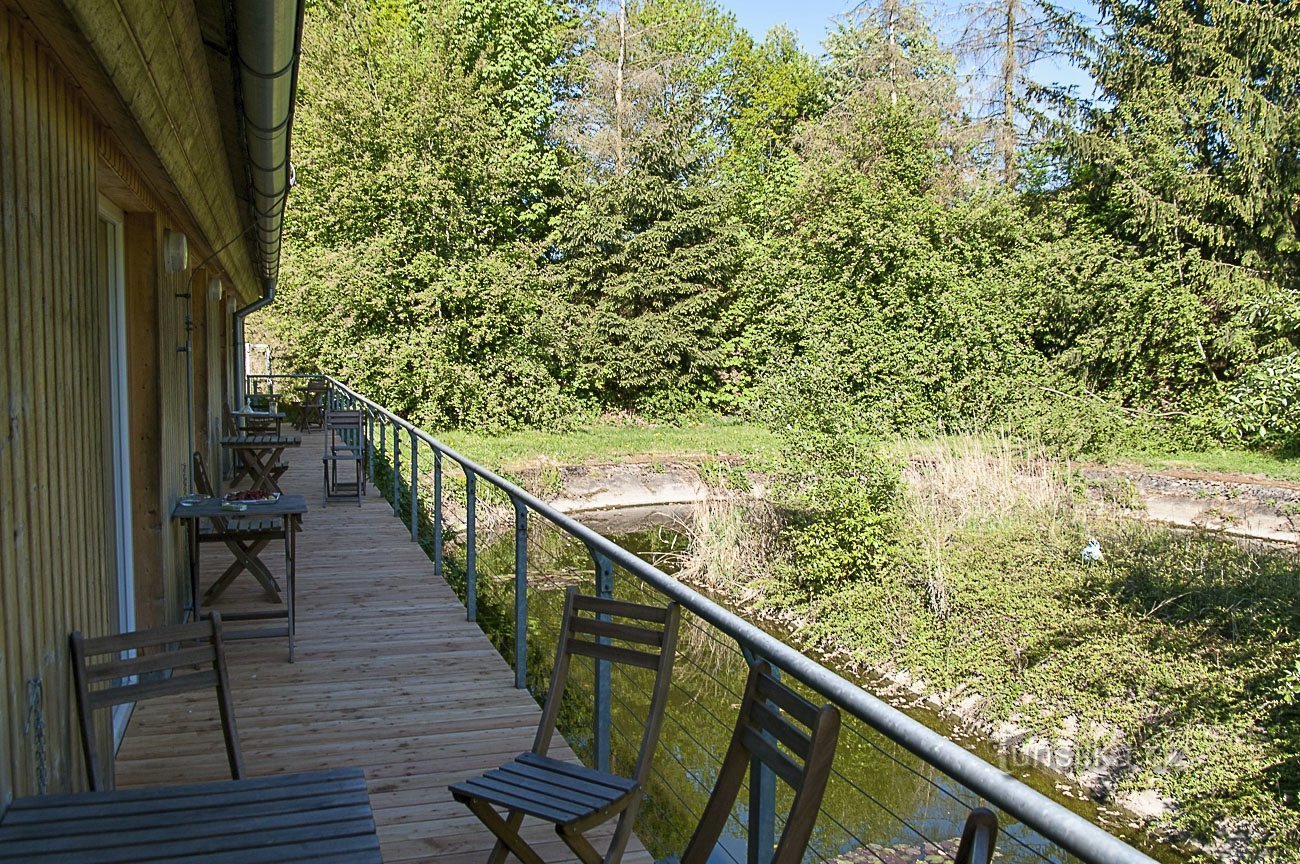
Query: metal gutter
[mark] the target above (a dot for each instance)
(267, 40)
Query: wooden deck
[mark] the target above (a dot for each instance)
(389, 677)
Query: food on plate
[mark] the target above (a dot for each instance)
(252, 496)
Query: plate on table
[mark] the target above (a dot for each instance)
(252, 499)
(192, 500)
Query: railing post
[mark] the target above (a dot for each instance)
(521, 594)
(370, 444)
(762, 800)
(471, 554)
(397, 471)
(415, 487)
(437, 513)
(383, 440)
(603, 721)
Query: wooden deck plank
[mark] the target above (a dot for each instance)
(389, 677)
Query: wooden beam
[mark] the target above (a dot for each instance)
(142, 238)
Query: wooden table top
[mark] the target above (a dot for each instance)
(236, 441)
(317, 816)
(285, 505)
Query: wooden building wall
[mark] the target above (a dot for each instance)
(57, 542)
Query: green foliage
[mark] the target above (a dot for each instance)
(644, 268)
(1180, 647)
(1264, 405)
(410, 262)
(841, 519)
(1195, 144)
(514, 214)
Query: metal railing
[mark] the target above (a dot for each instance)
(385, 430)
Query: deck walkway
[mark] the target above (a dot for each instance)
(389, 676)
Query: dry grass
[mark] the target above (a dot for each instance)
(729, 543)
(967, 483)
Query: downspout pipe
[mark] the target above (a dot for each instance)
(268, 295)
(267, 40)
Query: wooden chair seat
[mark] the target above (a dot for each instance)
(560, 792)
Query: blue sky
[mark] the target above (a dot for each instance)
(811, 19)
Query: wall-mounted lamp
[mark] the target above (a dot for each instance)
(214, 289)
(176, 251)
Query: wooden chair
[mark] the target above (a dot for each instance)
(978, 838)
(230, 429)
(312, 411)
(145, 664)
(244, 537)
(771, 728)
(573, 798)
(345, 443)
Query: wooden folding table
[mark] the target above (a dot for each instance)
(289, 509)
(259, 457)
(322, 816)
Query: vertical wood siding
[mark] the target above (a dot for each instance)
(56, 547)
(57, 542)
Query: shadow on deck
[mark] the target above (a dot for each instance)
(389, 677)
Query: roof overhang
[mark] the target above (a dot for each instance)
(194, 111)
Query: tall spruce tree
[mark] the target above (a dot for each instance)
(645, 256)
(1196, 140)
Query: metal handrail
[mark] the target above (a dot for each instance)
(1072, 832)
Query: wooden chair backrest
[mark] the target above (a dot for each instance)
(593, 627)
(202, 482)
(342, 430)
(136, 667)
(203, 485)
(771, 728)
(978, 837)
(228, 425)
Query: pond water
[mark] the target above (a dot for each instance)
(881, 800)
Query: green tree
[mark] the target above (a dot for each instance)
(424, 186)
(645, 255)
(1196, 140)
(1186, 177)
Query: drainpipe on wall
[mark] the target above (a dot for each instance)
(267, 36)
(267, 296)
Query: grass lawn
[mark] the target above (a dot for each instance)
(721, 438)
(613, 442)
(1220, 461)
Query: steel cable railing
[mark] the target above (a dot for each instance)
(1067, 830)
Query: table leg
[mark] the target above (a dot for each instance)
(248, 467)
(291, 526)
(262, 465)
(246, 558)
(271, 474)
(192, 534)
